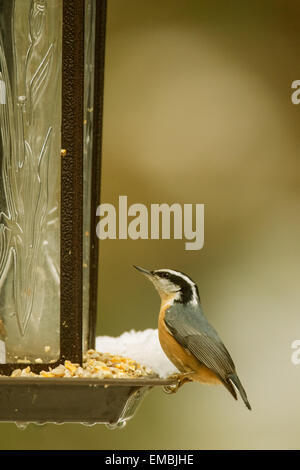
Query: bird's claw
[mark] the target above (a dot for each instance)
(181, 379)
(171, 388)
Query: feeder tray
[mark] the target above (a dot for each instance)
(66, 400)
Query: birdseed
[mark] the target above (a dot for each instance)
(95, 365)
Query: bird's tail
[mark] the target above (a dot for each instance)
(236, 381)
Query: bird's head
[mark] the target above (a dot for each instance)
(173, 286)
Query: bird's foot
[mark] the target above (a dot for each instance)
(181, 380)
(171, 388)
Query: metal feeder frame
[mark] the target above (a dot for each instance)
(59, 400)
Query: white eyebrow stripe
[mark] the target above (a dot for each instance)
(194, 300)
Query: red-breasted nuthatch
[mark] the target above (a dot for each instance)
(187, 338)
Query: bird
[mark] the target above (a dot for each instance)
(187, 338)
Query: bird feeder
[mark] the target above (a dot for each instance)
(51, 106)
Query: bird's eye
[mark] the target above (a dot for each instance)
(167, 275)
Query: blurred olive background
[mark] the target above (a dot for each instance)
(198, 110)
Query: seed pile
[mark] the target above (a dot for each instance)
(95, 365)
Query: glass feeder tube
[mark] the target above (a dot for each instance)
(49, 177)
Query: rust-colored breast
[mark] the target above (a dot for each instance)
(182, 358)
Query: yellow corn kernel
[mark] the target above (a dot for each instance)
(43, 373)
(70, 366)
(121, 366)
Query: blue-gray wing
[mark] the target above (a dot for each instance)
(191, 329)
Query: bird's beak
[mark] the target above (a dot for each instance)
(143, 271)
(156, 281)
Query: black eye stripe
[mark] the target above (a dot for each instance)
(188, 289)
(178, 280)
